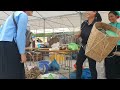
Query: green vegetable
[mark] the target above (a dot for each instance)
(73, 46)
(108, 32)
(111, 33)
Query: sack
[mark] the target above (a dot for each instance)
(54, 66)
(73, 46)
(86, 74)
(99, 44)
(43, 66)
(28, 34)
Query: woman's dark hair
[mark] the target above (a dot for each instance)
(98, 17)
(114, 12)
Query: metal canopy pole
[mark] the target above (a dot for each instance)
(80, 14)
(53, 31)
(6, 13)
(44, 31)
(80, 19)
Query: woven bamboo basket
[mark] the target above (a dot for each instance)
(99, 45)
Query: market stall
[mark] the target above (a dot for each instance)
(61, 27)
(64, 63)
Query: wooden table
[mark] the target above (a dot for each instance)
(28, 48)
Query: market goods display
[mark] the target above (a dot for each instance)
(63, 47)
(62, 38)
(53, 40)
(32, 70)
(36, 55)
(33, 73)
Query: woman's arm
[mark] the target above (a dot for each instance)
(78, 35)
(21, 35)
(116, 53)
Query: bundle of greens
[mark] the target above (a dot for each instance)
(108, 32)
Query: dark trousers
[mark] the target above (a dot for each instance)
(10, 66)
(112, 66)
(80, 60)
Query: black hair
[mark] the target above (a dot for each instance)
(98, 17)
(114, 12)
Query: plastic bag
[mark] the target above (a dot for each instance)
(73, 46)
(49, 76)
(86, 74)
(43, 66)
(54, 66)
(39, 46)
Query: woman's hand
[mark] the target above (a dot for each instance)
(23, 58)
(116, 53)
(77, 36)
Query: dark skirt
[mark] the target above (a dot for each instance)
(10, 65)
(112, 65)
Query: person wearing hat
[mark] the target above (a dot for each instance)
(86, 27)
(112, 64)
(12, 46)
